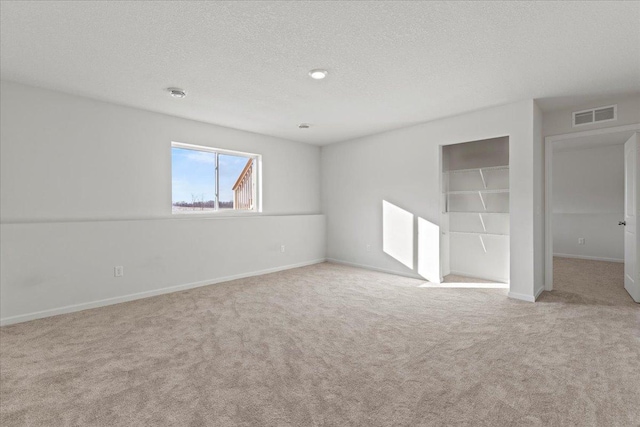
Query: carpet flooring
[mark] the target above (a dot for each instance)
(330, 345)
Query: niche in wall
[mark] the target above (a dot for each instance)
(475, 209)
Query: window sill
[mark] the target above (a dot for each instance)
(217, 214)
(175, 217)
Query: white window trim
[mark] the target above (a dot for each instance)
(257, 191)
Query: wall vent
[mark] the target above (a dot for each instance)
(595, 115)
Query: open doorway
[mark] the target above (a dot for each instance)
(591, 198)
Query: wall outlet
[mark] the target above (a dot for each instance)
(368, 248)
(282, 248)
(118, 271)
(581, 240)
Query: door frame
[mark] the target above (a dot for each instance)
(548, 189)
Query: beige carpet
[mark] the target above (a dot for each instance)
(329, 345)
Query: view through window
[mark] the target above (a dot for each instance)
(210, 180)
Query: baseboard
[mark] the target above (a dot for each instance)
(132, 297)
(591, 258)
(523, 297)
(538, 292)
(475, 276)
(370, 267)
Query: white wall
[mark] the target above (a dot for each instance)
(402, 167)
(86, 185)
(588, 202)
(558, 122)
(65, 157)
(538, 197)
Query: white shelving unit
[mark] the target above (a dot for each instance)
(482, 190)
(475, 220)
(479, 192)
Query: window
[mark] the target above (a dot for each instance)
(206, 179)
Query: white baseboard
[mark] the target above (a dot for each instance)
(370, 267)
(132, 297)
(592, 258)
(470, 275)
(523, 297)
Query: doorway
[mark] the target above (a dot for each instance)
(591, 207)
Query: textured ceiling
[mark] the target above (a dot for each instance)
(391, 64)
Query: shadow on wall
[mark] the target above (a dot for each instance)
(398, 234)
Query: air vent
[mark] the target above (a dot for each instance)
(606, 113)
(595, 115)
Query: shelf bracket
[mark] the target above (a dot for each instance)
(484, 228)
(482, 200)
(483, 181)
(484, 248)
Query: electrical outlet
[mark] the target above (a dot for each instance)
(368, 248)
(282, 248)
(118, 271)
(581, 240)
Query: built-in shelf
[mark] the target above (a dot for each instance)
(490, 168)
(475, 204)
(476, 212)
(500, 190)
(478, 233)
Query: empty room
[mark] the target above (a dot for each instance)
(319, 213)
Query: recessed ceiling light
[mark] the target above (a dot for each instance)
(176, 92)
(304, 125)
(318, 74)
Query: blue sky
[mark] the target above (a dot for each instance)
(193, 172)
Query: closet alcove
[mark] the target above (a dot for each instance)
(475, 209)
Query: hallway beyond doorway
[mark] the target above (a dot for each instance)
(591, 280)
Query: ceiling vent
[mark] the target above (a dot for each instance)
(595, 115)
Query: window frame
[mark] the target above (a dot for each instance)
(257, 187)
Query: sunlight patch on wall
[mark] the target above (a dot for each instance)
(397, 233)
(428, 250)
